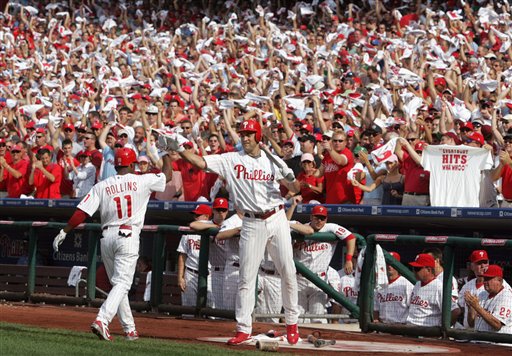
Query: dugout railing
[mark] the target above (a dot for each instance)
(31, 291)
(451, 247)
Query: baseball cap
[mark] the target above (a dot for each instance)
(202, 209)
(490, 56)
(2, 140)
(152, 109)
(328, 133)
(143, 159)
(307, 157)
(188, 144)
(121, 132)
(478, 255)
(16, 148)
(392, 158)
(287, 142)
(41, 130)
(359, 149)
(319, 210)
(423, 260)
(307, 127)
(220, 203)
(493, 271)
(420, 146)
(507, 118)
(476, 137)
(30, 125)
(453, 136)
(395, 255)
(468, 125)
(440, 81)
(68, 126)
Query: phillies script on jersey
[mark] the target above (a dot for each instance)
(350, 292)
(194, 244)
(389, 297)
(311, 248)
(257, 174)
(416, 300)
(121, 187)
(454, 159)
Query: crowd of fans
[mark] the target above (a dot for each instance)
(331, 84)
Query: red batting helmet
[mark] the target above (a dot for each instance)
(125, 156)
(251, 126)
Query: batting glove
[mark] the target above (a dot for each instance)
(287, 173)
(58, 240)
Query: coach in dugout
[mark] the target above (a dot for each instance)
(491, 311)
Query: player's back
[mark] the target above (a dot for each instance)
(123, 199)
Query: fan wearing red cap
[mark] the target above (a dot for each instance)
(253, 177)
(14, 173)
(122, 202)
(188, 259)
(427, 294)
(317, 255)
(491, 311)
(416, 178)
(392, 302)
(217, 255)
(41, 141)
(83, 175)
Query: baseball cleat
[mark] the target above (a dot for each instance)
(132, 335)
(240, 339)
(292, 334)
(101, 330)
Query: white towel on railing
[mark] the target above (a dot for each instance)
(147, 291)
(75, 274)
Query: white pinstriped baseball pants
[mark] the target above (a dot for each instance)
(256, 235)
(119, 255)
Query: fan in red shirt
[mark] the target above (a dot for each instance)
(45, 176)
(504, 171)
(64, 157)
(338, 161)
(311, 187)
(15, 174)
(193, 178)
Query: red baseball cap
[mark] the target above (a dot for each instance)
(476, 137)
(493, 271)
(440, 81)
(84, 153)
(97, 125)
(30, 125)
(319, 210)
(423, 260)
(420, 146)
(395, 255)
(478, 255)
(68, 126)
(17, 148)
(307, 127)
(2, 140)
(41, 130)
(202, 209)
(220, 203)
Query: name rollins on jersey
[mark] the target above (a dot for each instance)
(121, 187)
(389, 297)
(257, 174)
(416, 299)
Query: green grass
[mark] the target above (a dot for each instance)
(18, 339)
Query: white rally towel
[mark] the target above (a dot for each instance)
(75, 274)
(147, 291)
(381, 154)
(381, 276)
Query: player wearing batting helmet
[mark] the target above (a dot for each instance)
(122, 200)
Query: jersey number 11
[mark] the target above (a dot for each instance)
(128, 199)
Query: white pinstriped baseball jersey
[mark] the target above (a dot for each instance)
(122, 199)
(231, 244)
(455, 286)
(190, 246)
(426, 304)
(392, 302)
(348, 286)
(252, 182)
(316, 255)
(471, 287)
(500, 306)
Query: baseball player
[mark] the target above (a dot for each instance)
(427, 294)
(217, 254)
(439, 272)
(229, 233)
(122, 200)
(479, 264)
(269, 300)
(491, 311)
(188, 260)
(317, 255)
(391, 304)
(349, 287)
(252, 179)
